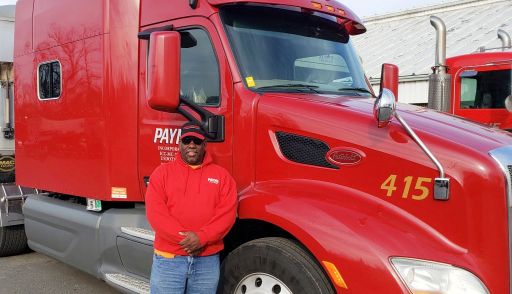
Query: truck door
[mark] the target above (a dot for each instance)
(206, 80)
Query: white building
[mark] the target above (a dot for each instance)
(6, 33)
(408, 40)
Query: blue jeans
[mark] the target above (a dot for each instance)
(185, 274)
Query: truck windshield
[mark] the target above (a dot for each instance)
(282, 50)
(485, 89)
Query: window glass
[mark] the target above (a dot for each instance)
(285, 50)
(323, 69)
(49, 80)
(486, 89)
(200, 80)
(467, 92)
(55, 76)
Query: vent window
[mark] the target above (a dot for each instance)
(49, 80)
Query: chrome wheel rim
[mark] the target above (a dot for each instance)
(261, 283)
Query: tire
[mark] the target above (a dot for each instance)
(12, 240)
(272, 265)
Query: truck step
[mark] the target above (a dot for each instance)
(129, 283)
(11, 191)
(12, 198)
(139, 233)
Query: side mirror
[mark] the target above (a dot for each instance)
(385, 104)
(389, 78)
(163, 82)
(384, 108)
(508, 103)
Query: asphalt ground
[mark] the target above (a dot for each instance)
(34, 273)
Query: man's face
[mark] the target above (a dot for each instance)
(193, 152)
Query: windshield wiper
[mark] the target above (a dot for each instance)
(363, 90)
(297, 87)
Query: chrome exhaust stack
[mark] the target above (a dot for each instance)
(440, 27)
(439, 80)
(505, 39)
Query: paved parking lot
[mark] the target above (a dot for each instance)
(36, 273)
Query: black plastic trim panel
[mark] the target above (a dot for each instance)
(304, 150)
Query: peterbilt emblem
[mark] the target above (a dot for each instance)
(345, 156)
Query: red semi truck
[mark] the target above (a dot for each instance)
(340, 191)
(477, 86)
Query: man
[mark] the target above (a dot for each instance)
(191, 204)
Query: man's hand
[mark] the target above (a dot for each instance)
(191, 243)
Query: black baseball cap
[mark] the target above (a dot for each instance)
(192, 129)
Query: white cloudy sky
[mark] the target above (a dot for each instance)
(362, 8)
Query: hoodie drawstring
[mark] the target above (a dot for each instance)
(200, 180)
(186, 181)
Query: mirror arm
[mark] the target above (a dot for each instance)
(421, 144)
(211, 123)
(442, 183)
(146, 34)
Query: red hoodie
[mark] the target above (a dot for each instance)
(180, 198)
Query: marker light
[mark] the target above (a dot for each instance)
(329, 8)
(316, 5)
(436, 278)
(335, 274)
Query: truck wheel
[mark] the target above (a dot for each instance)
(12, 240)
(272, 265)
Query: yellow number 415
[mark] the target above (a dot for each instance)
(421, 190)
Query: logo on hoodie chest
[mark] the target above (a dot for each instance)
(213, 181)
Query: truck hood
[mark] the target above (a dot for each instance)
(426, 122)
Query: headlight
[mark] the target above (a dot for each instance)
(423, 277)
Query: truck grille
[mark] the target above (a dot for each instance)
(503, 157)
(304, 150)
